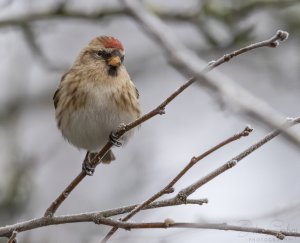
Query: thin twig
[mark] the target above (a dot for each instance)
(158, 110)
(231, 163)
(169, 223)
(91, 216)
(13, 237)
(169, 187)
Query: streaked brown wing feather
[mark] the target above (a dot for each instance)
(55, 98)
(56, 94)
(137, 93)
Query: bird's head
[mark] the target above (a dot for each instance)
(103, 52)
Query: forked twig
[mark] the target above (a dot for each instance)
(184, 193)
(169, 187)
(7, 231)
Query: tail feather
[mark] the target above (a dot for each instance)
(108, 157)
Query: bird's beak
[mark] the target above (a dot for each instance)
(114, 61)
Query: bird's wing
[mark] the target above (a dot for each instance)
(137, 93)
(55, 98)
(56, 94)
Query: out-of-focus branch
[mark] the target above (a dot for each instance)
(31, 40)
(226, 89)
(25, 24)
(248, 7)
(169, 187)
(5, 3)
(60, 13)
(196, 16)
(226, 12)
(208, 8)
(289, 208)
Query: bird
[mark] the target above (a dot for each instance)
(95, 98)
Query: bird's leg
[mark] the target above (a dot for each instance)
(114, 139)
(86, 165)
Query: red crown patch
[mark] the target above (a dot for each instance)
(111, 42)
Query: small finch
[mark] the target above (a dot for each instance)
(95, 97)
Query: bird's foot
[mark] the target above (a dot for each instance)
(114, 139)
(87, 168)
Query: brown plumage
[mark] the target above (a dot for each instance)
(96, 96)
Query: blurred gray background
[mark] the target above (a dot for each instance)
(39, 43)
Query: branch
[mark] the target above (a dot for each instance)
(169, 187)
(90, 217)
(186, 61)
(231, 163)
(30, 38)
(60, 13)
(13, 237)
(169, 223)
(184, 193)
(249, 7)
(159, 110)
(179, 199)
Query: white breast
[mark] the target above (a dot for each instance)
(90, 126)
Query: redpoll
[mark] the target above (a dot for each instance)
(95, 97)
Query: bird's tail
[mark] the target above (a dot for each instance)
(108, 157)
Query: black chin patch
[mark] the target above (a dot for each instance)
(113, 71)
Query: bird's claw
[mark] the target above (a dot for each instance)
(87, 168)
(114, 139)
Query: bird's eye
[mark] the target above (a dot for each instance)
(122, 58)
(103, 54)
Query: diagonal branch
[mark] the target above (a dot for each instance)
(159, 110)
(187, 62)
(231, 163)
